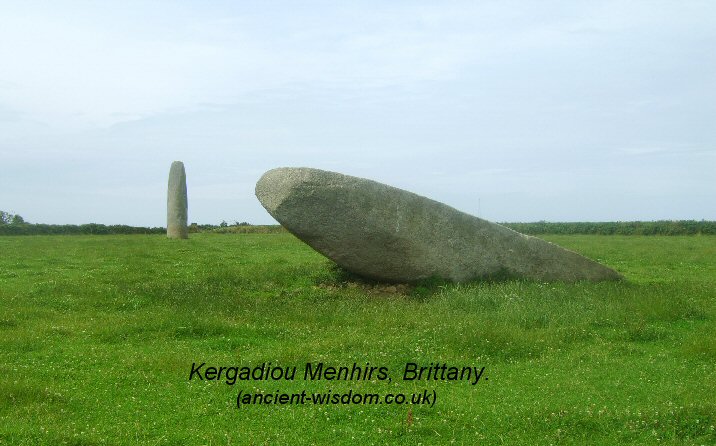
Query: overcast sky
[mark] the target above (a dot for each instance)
(513, 111)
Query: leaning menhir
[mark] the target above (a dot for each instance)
(389, 234)
(177, 207)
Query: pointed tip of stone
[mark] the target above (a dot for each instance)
(177, 166)
(276, 184)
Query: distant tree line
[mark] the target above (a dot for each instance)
(90, 228)
(12, 224)
(662, 227)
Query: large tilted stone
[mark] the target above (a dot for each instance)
(386, 233)
(177, 206)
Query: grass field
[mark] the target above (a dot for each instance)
(98, 335)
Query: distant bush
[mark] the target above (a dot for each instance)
(661, 227)
(194, 228)
(249, 229)
(7, 218)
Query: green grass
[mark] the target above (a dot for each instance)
(98, 335)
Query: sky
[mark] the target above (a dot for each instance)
(514, 111)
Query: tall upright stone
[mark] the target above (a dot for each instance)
(177, 205)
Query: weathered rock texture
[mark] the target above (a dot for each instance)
(389, 234)
(177, 206)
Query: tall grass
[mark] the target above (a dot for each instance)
(98, 335)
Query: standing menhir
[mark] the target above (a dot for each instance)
(176, 202)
